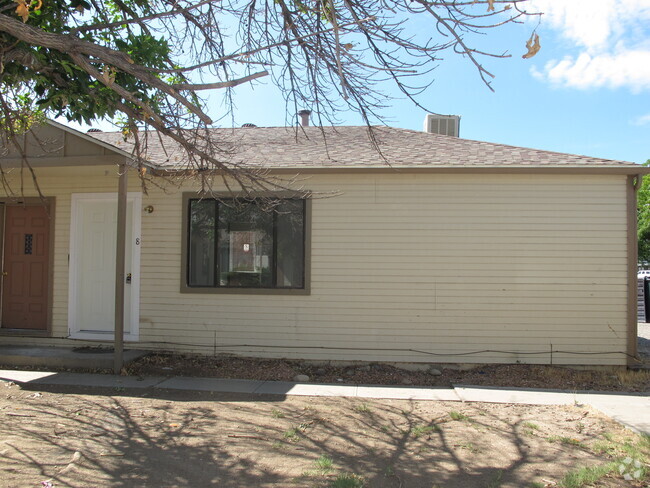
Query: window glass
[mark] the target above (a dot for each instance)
(246, 245)
(202, 243)
(290, 243)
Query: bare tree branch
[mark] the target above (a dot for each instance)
(147, 64)
(220, 84)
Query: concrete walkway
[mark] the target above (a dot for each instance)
(631, 410)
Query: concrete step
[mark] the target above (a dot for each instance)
(64, 357)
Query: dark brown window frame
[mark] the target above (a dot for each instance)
(185, 288)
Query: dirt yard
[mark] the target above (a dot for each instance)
(79, 437)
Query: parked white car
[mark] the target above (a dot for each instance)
(643, 273)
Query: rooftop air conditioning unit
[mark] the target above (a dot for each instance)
(447, 125)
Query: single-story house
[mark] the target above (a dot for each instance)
(438, 250)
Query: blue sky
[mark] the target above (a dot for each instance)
(586, 92)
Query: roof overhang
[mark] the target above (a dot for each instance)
(56, 145)
(510, 169)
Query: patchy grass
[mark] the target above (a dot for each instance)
(277, 413)
(495, 481)
(604, 447)
(458, 415)
(622, 446)
(363, 408)
(632, 469)
(347, 480)
(293, 434)
(631, 454)
(644, 442)
(569, 441)
(240, 442)
(420, 430)
(587, 476)
(530, 425)
(324, 464)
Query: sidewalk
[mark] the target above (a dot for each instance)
(631, 410)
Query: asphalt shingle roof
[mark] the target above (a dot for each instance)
(351, 147)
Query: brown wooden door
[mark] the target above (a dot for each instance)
(26, 263)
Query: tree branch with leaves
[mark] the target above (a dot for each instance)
(146, 63)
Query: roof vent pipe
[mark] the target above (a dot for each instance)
(304, 117)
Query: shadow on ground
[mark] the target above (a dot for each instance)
(643, 347)
(129, 438)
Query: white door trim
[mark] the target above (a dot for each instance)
(73, 328)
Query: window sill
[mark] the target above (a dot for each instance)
(244, 291)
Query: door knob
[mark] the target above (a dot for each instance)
(128, 278)
(5, 273)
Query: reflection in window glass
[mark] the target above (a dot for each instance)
(243, 245)
(202, 243)
(290, 244)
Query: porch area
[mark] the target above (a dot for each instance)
(64, 357)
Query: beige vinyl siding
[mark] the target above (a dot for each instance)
(446, 264)
(403, 265)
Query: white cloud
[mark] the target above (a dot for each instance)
(593, 24)
(642, 120)
(612, 40)
(625, 68)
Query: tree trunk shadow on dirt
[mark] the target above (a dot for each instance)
(117, 450)
(423, 452)
(180, 439)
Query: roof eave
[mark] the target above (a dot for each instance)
(120, 152)
(582, 169)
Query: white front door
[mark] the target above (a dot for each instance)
(93, 235)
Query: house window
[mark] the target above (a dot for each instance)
(235, 244)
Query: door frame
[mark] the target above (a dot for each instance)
(76, 200)
(50, 204)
